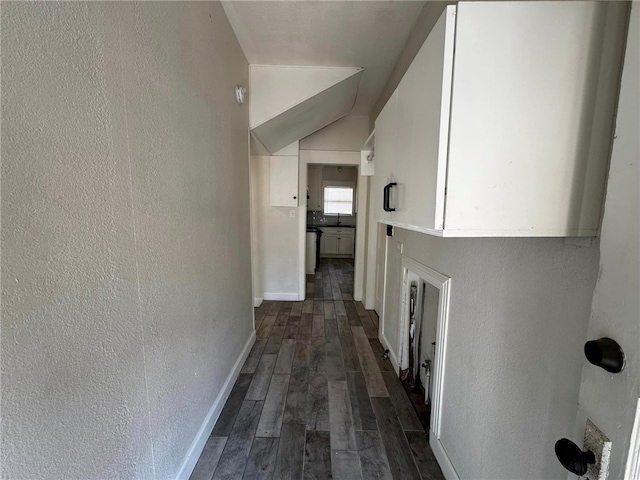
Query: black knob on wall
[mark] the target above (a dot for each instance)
(605, 353)
(572, 458)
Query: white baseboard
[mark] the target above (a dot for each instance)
(210, 420)
(392, 355)
(282, 297)
(443, 459)
(257, 301)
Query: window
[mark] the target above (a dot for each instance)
(338, 200)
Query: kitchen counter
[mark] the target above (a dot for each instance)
(331, 226)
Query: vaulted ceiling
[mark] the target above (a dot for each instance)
(367, 34)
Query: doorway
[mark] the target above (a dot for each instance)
(312, 185)
(422, 340)
(419, 350)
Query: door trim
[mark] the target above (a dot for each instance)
(442, 283)
(442, 458)
(321, 157)
(632, 470)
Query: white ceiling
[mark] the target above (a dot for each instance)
(367, 34)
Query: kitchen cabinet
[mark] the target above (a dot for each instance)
(329, 244)
(337, 242)
(283, 181)
(314, 188)
(502, 124)
(345, 244)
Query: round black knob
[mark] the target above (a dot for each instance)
(605, 353)
(294, 197)
(572, 458)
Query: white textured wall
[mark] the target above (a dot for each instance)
(345, 174)
(275, 238)
(277, 88)
(279, 240)
(125, 233)
(424, 23)
(610, 400)
(347, 134)
(518, 319)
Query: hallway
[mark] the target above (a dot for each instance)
(315, 399)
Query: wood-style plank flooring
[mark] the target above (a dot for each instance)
(315, 399)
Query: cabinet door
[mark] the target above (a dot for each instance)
(385, 147)
(329, 244)
(345, 245)
(528, 151)
(283, 182)
(314, 202)
(423, 120)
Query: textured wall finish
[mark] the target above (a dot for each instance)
(519, 310)
(343, 174)
(366, 34)
(426, 20)
(347, 134)
(126, 283)
(609, 400)
(275, 239)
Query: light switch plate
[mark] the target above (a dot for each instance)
(600, 445)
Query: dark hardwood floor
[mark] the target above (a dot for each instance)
(315, 399)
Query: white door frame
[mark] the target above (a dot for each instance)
(443, 284)
(322, 157)
(632, 470)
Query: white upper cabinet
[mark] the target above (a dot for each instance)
(502, 124)
(423, 105)
(283, 185)
(385, 155)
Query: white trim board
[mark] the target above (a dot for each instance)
(361, 238)
(326, 157)
(442, 283)
(257, 301)
(443, 459)
(632, 470)
(451, 233)
(195, 450)
(382, 317)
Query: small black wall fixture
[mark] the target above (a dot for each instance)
(605, 353)
(572, 458)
